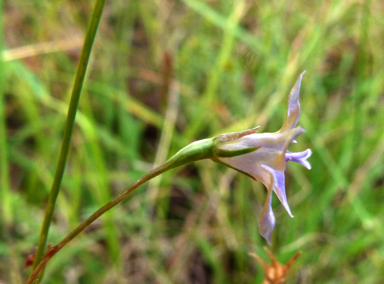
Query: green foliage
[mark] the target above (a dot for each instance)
(235, 63)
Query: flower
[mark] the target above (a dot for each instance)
(263, 157)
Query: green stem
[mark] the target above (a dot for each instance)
(5, 193)
(199, 150)
(76, 91)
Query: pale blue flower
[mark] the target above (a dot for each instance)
(263, 157)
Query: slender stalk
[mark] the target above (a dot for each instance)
(76, 91)
(92, 218)
(5, 193)
(196, 151)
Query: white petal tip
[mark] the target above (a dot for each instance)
(306, 163)
(298, 82)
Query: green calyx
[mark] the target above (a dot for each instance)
(199, 150)
(210, 149)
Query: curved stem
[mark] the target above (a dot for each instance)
(76, 91)
(93, 217)
(196, 151)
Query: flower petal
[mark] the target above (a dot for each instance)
(267, 219)
(252, 163)
(278, 185)
(293, 112)
(299, 157)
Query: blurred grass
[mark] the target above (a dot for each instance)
(233, 66)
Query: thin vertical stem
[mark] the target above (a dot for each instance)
(6, 210)
(76, 91)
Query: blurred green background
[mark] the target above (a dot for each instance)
(163, 74)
